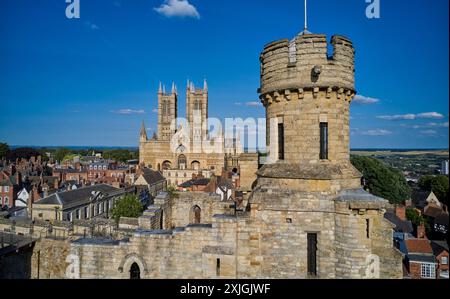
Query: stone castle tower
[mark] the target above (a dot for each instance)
(167, 112)
(309, 181)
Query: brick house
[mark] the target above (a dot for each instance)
(440, 251)
(9, 187)
(420, 260)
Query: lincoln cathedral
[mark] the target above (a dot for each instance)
(179, 147)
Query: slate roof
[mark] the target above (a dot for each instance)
(195, 182)
(152, 176)
(439, 246)
(404, 226)
(419, 198)
(422, 258)
(49, 180)
(77, 196)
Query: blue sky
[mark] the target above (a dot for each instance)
(91, 81)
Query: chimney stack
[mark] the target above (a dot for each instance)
(421, 231)
(400, 211)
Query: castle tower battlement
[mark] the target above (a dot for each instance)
(307, 96)
(304, 63)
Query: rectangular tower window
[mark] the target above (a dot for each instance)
(368, 228)
(312, 254)
(323, 141)
(281, 141)
(218, 267)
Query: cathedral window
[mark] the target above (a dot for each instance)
(197, 105)
(165, 108)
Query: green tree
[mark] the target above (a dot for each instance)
(414, 216)
(382, 180)
(438, 184)
(127, 206)
(24, 152)
(4, 150)
(60, 153)
(120, 155)
(172, 191)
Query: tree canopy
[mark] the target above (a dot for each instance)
(438, 184)
(128, 206)
(61, 153)
(121, 155)
(4, 150)
(382, 180)
(415, 217)
(23, 152)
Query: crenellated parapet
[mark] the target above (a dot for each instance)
(304, 64)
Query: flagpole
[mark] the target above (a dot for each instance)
(306, 16)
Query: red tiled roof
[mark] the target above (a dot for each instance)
(418, 246)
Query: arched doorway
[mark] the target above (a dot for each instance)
(135, 271)
(196, 215)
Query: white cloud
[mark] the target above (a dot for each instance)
(427, 126)
(433, 115)
(249, 104)
(428, 132)
(129, 111)
(438, 125)
(363, 100)
(155, 110)
(425, 115)
(377, 132)
(253, 104)
(397, 117)
(177, 8)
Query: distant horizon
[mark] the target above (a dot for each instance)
(86, 147)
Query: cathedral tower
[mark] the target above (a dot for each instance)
(197, 111)
(167, 112)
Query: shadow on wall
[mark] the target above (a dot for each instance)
(16, 265)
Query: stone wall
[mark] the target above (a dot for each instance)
(49, 259)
